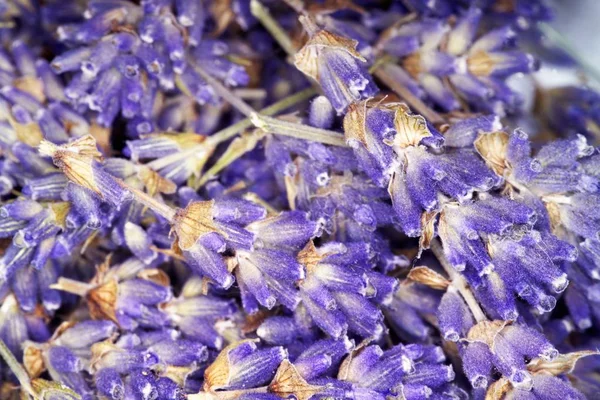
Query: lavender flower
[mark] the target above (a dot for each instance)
(18, 327)
(494, 344)
(122, 71)
(196, 316)
(168, 232)
(146, 362)
(243, 365)
(411, 308)
(467, 67)
(560, 187)
(412, 371)
(393, 147)
(336, 289)
(65, 356)
(267, 271)
(524, 262)
(42, 234)
(175, 157)
(334, 63)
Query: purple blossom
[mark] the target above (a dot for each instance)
(217, 200)
(340, 70)
(449, 63)
(157, 49)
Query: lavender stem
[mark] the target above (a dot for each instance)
(458, 282)
(260, 12)
(16, 368)
(383, 74)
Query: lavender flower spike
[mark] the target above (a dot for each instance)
(78, 161)
(309, 200)
(334, 63)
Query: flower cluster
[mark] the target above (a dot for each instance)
(218, 200)
(124, 57)
(449, 63)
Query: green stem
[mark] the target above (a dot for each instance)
(251, 94)
(236, 149)
(299, 131)
(289, 101)
(273, 125)
(233, 130)
(78, 288)
(160, 208)
(262, 14)
(273, 109)
(380, 67)
(379, 61)
(253, 197)
(162, 162)
(458, 282)
(16, 368)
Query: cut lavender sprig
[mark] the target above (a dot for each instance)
(273, 125)
(165, 233)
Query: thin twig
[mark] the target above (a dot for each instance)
(299, 131)
(273, 125)
(380, 69)
(261, 13)
(17, 369)
(158, 207)
(251, 94)
(266, 124)
(458, 282)
(225, 93)
(231, 131)
(79, 288)
(273, 109)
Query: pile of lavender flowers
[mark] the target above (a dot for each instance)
(262, 200)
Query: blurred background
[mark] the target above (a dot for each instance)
(577, 24)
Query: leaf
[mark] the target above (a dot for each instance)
(238, 147)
